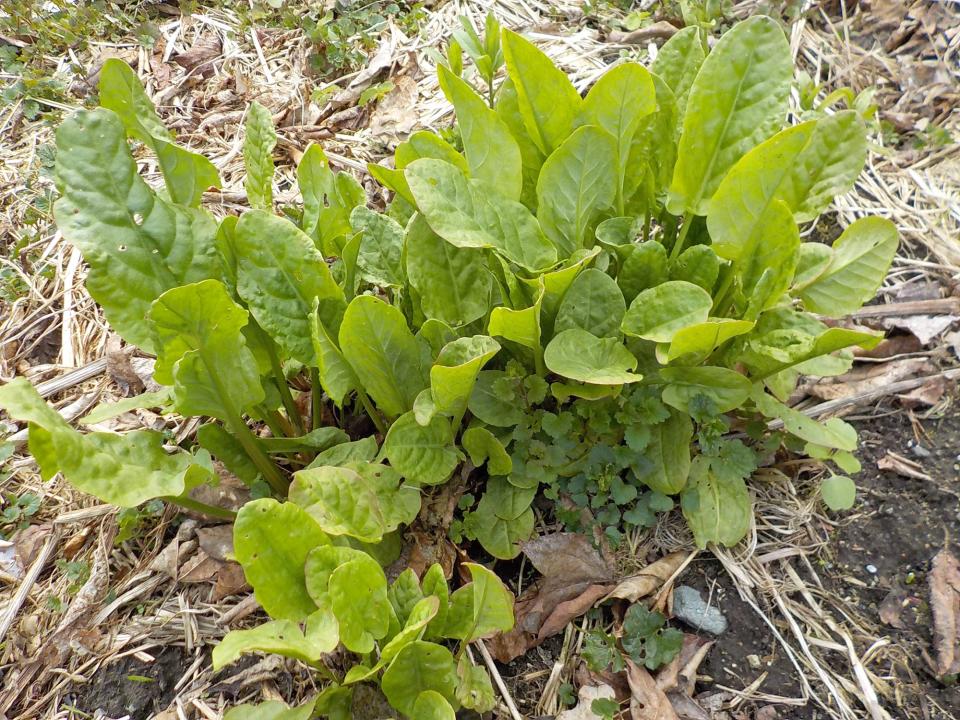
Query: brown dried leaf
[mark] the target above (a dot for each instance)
(944, 581)
(902, 466)
(866, 379)
(930, 393)
(586, 695)
(647, 701)
(199, 59)
(217, 541)
(926, 328)
(568, 557)
(650, 579)
(892, 607)
(564, 612)
(396, 112)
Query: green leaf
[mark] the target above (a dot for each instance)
(425, 455)
(738, 99)
(101, 464)
(653, 153)
(812, 347)
(335, 702)
(480, 609)
(508, 110)
(137, 244)
(469, 214)
(316, 440)
(487, 405)
(576, 185)
(492, 153)
(838, 492)
(272, 710)
(431, 705)
(699, 265)
(554, 284)
(727, 388)
(336, 375)
(280, 279)
(271, 541)
(678, 63)
(580, 355)
(186, 174)
(474, 690)
(804, 166)
(282, 637)
(363, 450)
(203, 353)
(771, 249)
(549, 103)
(813, 258)
(381, 247)
(860, 260)
(593, 303)
(378, 345)
(669, 454)
(419, 667)
(661, 312)
(645, 267)
(259, 140)
(834, 433)
(717, 508)
(106, 411)
(421, 614)
(358, 597)
(434, 584)
(698, 341)
(503, 518)
(455, 371)
(484, 447)
(328, 199)
(519, 326)
(453, 282)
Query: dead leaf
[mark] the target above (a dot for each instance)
(944, 581)
(10, 568)
(890, 347)
(902, 466)
(925, 327)
(767, 712)
(199, 59)
(564, 612)
(586, 696)
(29, 541)
(75, 543)
(647, 701)
(230, 581)
(120, 369)
(650, 579)
(395, 114)
(892, 607)
(661, 30)
(217, 541)
(687, 708)
(930, 393)
(680, 674)
(866, 379)
(569, 556)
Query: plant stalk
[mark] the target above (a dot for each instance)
(316, 398)
(682, 237)
(189, 503)
(372, 412)
(288, 402)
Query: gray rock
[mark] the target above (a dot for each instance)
(689, 607)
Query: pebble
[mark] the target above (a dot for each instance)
(920, 451)
(872, 569)
(690, 608)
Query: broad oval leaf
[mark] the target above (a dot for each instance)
(484, 447)
(697, 264)
(725, 388)
(271, 710)
(431, 705)
(669, 454)
(717, 507)
(580, 355)
(593, 303)
(488, 405)
(378, 345)
(861, 257)
(738, 99)
(678, 63)
(644, 267)
(425, 455)
(340, 501)
(521, 326)
(576, 184)
(381, 247)
(271, 541)
(660, 312)
(701, 339)
(838, 492)
(480, 609)
(772, 248)
(358, 597)
(492, 153)
(282, 637)
(455, 371)
(419, 667)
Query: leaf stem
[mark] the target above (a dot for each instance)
(280, 379)
(316, 398)
(372, 412)
(256, 453)
(189, 503)
(682, 237)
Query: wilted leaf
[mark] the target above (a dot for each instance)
(944, 580)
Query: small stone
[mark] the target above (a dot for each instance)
(690, 608)
(920, 451)
(753, 661)
(872, 569)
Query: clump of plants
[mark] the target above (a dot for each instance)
(577, 307)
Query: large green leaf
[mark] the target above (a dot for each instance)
(431, 705)
(358, 597)
(336, 375)
(508, 110)
(593, 303)
(455, 371)
(698, 341)
(717, 506)
(834, 433)
(469, 214)
(186, 174)
(660, 312)
(378, 345)
(328, 199)
(271, 541)
(124, 470)
(669, 454)
(553, 285)
(503, 518)
(771, 248)
(860, 260)
(453, 282)
(738, 99)
(484, 447)
(804, 166)
(644, 267)
(678, 63)
(279, 279)
(259, 140)
(618, 102)
(282, 637)
(549, 103)
(202, 351)
(380, 259)
(419, 667)
(425, 455)
(137, 244)
(576, 184)
(653, 153)
(488, 405)
(271, 710)
(726, 388)
(480, 609)
(492, 153)
(580, 355)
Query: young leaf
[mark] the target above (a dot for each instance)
(226, 448)
(531, 158)
(669, 454)
(834, 433)
(328, 199)
(453, 282)
(378, 345)
(480, 609)
(645, 267)
(419, 667)
(484, 447)
(519, 326)
(549, 103)
(186, 174)
(474, 690)
(363, 450)
(717, 507)
(101, 464)
(727, 388)
(272, 710)
(580, 355)
(575, 185)
(492, 153)
(259, 140)
(455, 371)
(737, 100)
(469, 214)
(838, 492)
(358, 598)
(699, 265)
(501, 536)
(136, 244)
(271, 541)
(424, 455)
(336, 375)
(699, 340)
(282, 637)
(678, 63)
(554, 284)
(773, 248)
(486, 404)
(661, 312)
(280, 279)
(861, 256)
(106, 411)
(653, 153)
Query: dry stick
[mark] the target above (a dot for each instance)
(941, 306)
(14, 607)
(74, 377)
(504, 693)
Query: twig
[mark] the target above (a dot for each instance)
(504, 693)
(74, 377)
(23, 591)
(941, 306)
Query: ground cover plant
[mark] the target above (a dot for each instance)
(576, 300)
